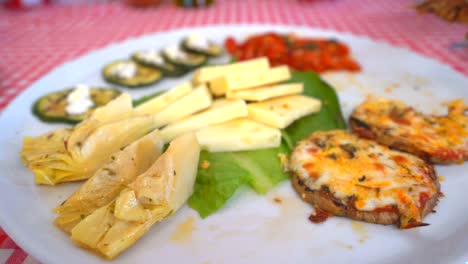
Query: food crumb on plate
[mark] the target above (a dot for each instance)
(441, 178)
(184, 230)
(390, 88)
(205, 164)
(370, 96)
(277, 200)
(344, 245)
(283, 161)
(359, 229)
(319, 216)
(213, 227)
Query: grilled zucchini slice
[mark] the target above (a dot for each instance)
(153, 59)
(51, 107)
(130, 74)
(184, 59)
(200, 45)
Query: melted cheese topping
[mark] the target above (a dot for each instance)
(445, 137)
(364, 174)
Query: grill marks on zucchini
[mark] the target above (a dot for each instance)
(212, 50)
(187, 61)
(167, 68)
(173, 61)
(144, 75)
(51, 107)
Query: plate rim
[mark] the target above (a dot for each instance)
(8, 225)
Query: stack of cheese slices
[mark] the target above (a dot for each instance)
(249, 109)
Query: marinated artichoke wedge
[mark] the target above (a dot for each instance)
(151, 197)
(75, 154)
(130, 74)
(109, 180)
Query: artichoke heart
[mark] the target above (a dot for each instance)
(152, 196)
(109, 180)
(75, 154)
(128, 208)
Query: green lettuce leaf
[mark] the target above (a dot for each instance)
(261, 169)
(145, 98)
(216, 183)
(222, 173)
(329, 117)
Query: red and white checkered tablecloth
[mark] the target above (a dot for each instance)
(32, 42)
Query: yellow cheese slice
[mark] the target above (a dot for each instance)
(267, 92)
(158, 103)
(220, 111)
(281, 112)
(248, 79)
(206, 74)
(196, 100)
(238, 134)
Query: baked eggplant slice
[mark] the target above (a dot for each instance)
(52, 107)
(201, 45)
(344, 175)
(130, 74)
(437, 139)
(154, 59)
(181, 58)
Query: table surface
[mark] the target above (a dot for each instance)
(35, 41)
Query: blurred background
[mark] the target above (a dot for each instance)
(39, 35)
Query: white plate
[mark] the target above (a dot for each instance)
(250, 228)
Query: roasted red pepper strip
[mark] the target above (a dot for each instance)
(388, 208)
(317, 55)
(423, 199)
(319, 216)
